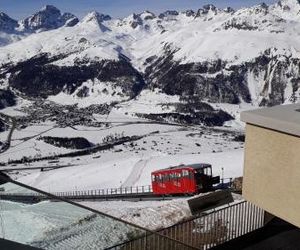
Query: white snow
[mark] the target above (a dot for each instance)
(150, 101)
(108, 172)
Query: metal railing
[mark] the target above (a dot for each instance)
(225, 182)
(108, 191)
(208, 230)
(152, 242)
(91, 192)
(139, 192)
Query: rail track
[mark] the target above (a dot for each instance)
(136, 193)
(140, 193)
(32, 198)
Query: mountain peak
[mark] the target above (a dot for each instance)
(146, 15)
(287, 8)
(49, 17)
(229, 10)
(95, 16)
(289, 2)
(135, 20)
(7, 24)
(208, 8)
(168, 13)
(50, 8)
(189, 13)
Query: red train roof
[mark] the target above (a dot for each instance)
(192, 166)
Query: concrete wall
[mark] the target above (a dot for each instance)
(272, 172)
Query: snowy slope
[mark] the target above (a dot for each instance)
(65, 41)
(49, 17)
(126, 171)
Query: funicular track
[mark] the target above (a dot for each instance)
(125, 193)
(138, 193)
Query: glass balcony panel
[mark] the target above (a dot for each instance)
(56, 224)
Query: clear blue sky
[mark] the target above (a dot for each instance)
(117, 8)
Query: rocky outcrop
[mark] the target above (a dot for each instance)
(96, 17)
(270, 79)
(7, 98)
(7, 24)
(49, 17)
(2, 128)
(206, 9)
(277, 78)
(168, 13)
(204, 80)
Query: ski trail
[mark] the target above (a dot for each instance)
(135, 174)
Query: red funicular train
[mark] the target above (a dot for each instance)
(184, 179)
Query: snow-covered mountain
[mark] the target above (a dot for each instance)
(216, 55)
(7, 29)
(7, 24)
(49, 17)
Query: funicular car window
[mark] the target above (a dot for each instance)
(166, 177)
(207, 171)
(200, 171)
(153, 178)
(159, 178)
(185, 173)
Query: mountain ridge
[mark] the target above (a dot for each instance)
(219, 55)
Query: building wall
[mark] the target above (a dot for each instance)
(272, 172)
